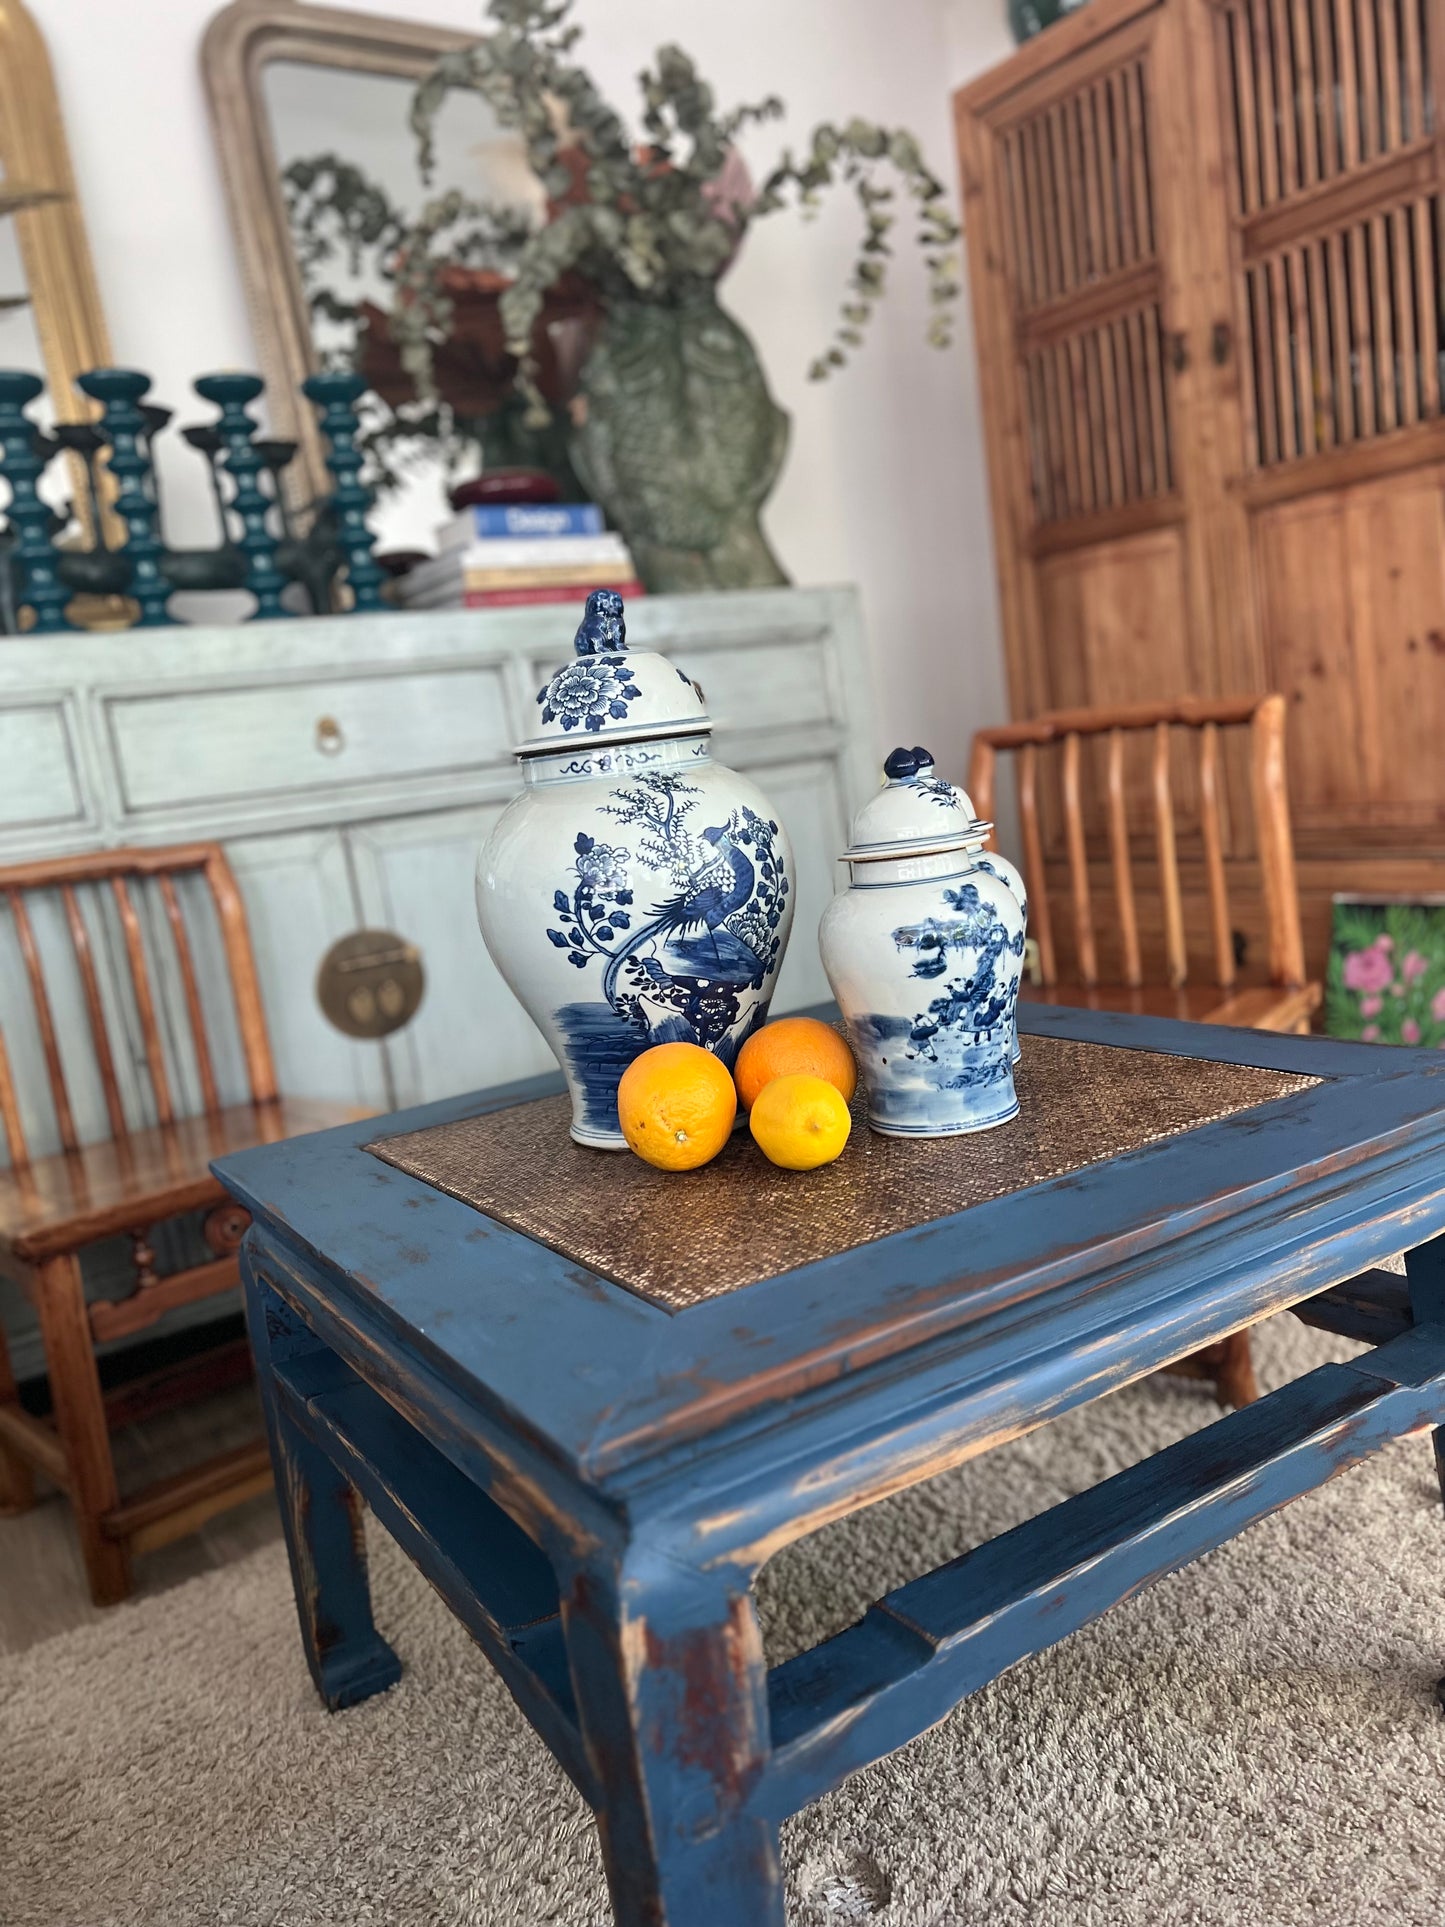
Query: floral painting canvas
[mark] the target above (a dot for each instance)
(1386, 978)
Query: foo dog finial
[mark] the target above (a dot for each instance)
(602, 630)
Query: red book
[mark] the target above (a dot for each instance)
(520, 598)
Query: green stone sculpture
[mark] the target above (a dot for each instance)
(681, 443)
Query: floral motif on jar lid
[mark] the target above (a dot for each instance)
(915, 814)
(608, 693)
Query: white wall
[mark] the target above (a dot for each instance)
(884, 483)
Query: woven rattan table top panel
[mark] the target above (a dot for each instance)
(680, 1239)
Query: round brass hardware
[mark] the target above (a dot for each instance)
(370, 983)
(329, 739)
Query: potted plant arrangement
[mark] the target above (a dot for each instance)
(606, 313)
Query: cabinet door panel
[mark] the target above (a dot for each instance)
(1116, 633)
(1116, 623)
(1352, 592)
(1302, 566)
(299, 900)
(415, 876)
(1397, 611)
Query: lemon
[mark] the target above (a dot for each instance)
(800, 1121)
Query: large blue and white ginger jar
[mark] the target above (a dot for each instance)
(636, 892)
(924, 951)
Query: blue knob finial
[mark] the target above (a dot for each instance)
(904, 764)
(602, 630)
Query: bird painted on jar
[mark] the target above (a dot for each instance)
(721, 887)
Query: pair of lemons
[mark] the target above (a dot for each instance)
(677, 1103)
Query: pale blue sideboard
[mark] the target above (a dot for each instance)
(351, 766)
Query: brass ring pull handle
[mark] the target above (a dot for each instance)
(329, 739)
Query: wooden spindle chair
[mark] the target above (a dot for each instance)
(1275, 994)
(108, 956)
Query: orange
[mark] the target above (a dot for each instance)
(800, 1122)
(676, 1103)
(790, 1047)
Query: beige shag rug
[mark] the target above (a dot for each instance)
(1252, 1743)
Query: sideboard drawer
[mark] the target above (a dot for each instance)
(198, 746)
(39, 780)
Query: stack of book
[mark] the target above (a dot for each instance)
(499, 556)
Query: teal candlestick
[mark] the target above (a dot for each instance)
(335, 397)
(23, 466)
(243, 462)
(122, 422)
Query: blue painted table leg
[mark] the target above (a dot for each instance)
(321, 1514)
(1425, 1275)
(671, 1689)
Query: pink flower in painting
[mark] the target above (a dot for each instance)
(1371, 1033)
(1371, 1006)
(1410, 1031)
(1368, 970)
(1437, 1006)
(1384, 941)
(1414, 966)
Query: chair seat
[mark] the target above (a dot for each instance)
(1277, 1007)
(58, 1204)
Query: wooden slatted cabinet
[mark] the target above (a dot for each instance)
(1205, 241)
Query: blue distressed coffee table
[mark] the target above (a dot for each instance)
(593, 1409)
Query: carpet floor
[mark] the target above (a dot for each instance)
(1251, 1743)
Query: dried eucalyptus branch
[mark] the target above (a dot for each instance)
(856, 154)
(648, 223)
(335, 210)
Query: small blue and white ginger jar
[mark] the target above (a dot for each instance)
(924, 951)
(636, 892)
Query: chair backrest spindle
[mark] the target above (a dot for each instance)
(205, 1070)
(44, 1021)
(10, 1112)
(1175, 957)
(1130, 960)
(1084, 948)
(1212, 833)
(144, 1001)
(99, 1036)
(1204, 848)
(1034, 875)
(1276, 845)
(245, 985)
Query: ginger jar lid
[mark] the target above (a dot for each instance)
(610, 694)
(914, 814)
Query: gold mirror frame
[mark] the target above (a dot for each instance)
(54, 250)
(238, 44)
